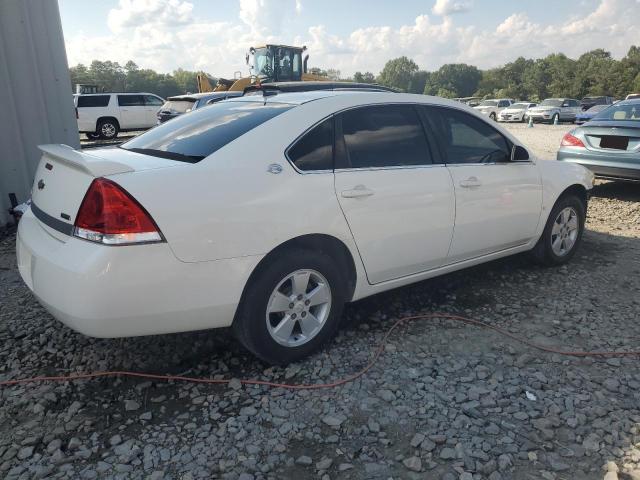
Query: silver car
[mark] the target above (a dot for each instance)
(608, 145)
(554, 110)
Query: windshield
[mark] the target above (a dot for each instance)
(551, 102)
(278, 63)
(488, 103)
(177, 106)
(628, 111)
(190, 138)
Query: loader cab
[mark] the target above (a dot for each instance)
(277, 63)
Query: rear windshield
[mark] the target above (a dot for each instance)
(626, 112)
(190, 138)
(93, 100)
(177, 106)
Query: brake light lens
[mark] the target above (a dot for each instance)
(570, 141)
(111, 216)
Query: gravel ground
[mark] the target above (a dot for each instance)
(446, 401)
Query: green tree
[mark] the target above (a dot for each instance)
(459, 78)
(398, 73)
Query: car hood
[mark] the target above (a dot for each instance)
(542, 109)
(513, 110)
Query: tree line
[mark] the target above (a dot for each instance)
(594, 73)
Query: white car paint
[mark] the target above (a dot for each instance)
(516, 112)
(129, 117)
(220, 217)
(493, 110)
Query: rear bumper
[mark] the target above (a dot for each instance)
(602, 164)
(126, 291)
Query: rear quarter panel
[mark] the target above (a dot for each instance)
(229, 205)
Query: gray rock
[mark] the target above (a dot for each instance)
(413, 463)
(131, 405)
(304, 460)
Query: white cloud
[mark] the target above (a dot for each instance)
(448, 7)
(168, 34)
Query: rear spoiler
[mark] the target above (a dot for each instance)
(91, 164)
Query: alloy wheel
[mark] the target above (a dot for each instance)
(298, 308)
(565, 231)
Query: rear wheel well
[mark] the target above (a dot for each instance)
(113, 119)
(333, 247)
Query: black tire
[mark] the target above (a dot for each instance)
(92, 135)
(543, 252)
(108, 129)
(492, 116)
(555, 118)
(250, 323)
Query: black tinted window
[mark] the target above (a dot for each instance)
(192, 137)
(503, 103)
(93, 100)
(314, 151)
(383, 136)
(465, 138)
(130, 100)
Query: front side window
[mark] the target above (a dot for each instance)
(152, 100)
(190, 138)
(130, 100)
(503, 103)
(384, 136)
(465, 138)
(314, 150)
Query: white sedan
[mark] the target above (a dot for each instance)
(267, 214)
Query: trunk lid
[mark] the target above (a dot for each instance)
(622, 137)
(63, 177)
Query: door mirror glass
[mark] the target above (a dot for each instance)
(519, 154)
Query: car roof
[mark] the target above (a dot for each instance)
(198, 96)
(306, 86)
(114, 93)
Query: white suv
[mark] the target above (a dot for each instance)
(103, 115)
(492, 107)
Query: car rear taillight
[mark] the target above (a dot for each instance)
(570, 141)
(110, 215)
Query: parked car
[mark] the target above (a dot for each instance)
(104, 115)
(587, 102)
(493, 107)
(274, 88)
(585, 116)
(516, 112)
(609, 145)
(179, 104)
(554, 110)
(295, 204)
(632, 96)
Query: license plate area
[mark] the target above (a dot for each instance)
(614, 142)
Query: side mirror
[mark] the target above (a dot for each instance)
(519, 154)
(565, 105)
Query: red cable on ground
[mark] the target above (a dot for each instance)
(374, 359)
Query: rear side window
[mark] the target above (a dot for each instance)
(465, 138)
(314, 150)
(190, 138)
(93, 100)
(130, 100)
(384, 136)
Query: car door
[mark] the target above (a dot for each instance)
(151, 106)
(398, 203)
(132, 111)
(498, 202)
(569, 110)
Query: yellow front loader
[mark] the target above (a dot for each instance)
(270, 63)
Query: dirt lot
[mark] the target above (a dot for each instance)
(446, 401)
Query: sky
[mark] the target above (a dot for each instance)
(346, 35)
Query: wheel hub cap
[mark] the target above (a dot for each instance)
(564, 232)
(298, 308)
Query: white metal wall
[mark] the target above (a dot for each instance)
(36, 104)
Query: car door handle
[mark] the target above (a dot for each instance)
(470, 182)
(357, 192)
